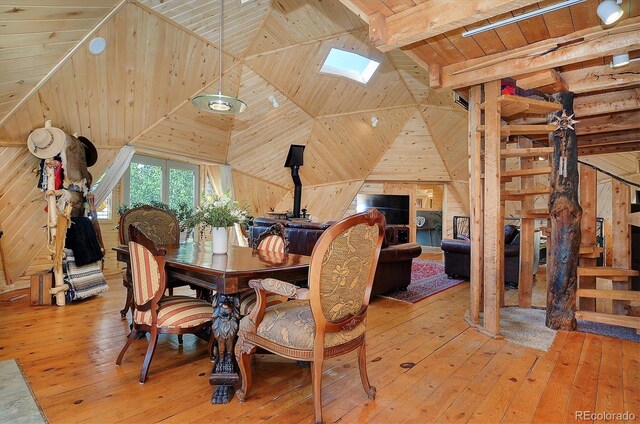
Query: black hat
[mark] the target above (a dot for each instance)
(90, 151)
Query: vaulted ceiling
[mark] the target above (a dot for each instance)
(161, 53)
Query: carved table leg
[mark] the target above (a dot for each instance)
(226, 316)
(127, 283)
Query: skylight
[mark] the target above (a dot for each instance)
(349, 65)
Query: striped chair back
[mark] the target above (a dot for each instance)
(145, 273)
(274, 239)
(272, 243)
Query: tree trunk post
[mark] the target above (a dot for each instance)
(566, 213)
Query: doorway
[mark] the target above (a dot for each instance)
(429, 201)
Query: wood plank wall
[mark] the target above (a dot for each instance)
(113, 97)
(260, 195)
(326, 202)
(22, 216)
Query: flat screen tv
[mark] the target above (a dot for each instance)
(394, 207)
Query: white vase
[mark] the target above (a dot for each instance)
(219, 240)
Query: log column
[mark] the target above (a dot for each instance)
(565, 212)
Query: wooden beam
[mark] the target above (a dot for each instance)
(608, 138)
(547, 81)
(435, 75)
(634, 219)
(602, 77)
(435, 17)
(355, 9)
(493, 221)
(620, 235)
(614, 148)
(589, 203)
(579, 46)
(599, 104)
(475, 203)
(527, 231)
(612, 122)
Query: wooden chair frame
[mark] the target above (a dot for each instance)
(122, 232)
(249, 340)
(159, 253)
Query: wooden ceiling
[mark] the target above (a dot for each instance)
(568, 49)
(161, 53)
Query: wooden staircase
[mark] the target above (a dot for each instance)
(604, 293)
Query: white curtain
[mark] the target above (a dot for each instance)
(113, 174)
(226, 185)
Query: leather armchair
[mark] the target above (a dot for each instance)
(457, 256)
(394, 264)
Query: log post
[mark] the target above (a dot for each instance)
(475, 203)
(588, 202)
(493, 219)
(566, 213)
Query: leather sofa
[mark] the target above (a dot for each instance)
(394, 264)
(457, 256)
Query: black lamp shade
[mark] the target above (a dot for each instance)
(294, 158)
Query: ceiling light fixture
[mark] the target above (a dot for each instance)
(274, 102)
(609, 11)
(518, 18)
(219, 103)
(374, 121)
(97, 45)
(622, 59)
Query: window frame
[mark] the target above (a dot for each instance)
(165, 165)
(336, 71)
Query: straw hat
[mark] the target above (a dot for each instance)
(46, 142)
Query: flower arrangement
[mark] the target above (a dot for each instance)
(220, 211)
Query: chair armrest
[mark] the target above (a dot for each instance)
(271, 285)
(282, 288)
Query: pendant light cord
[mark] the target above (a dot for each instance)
(220, 50)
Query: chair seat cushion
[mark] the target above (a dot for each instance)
(291, 324)
(248, 301)
(178, 312)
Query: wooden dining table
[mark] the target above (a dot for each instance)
(228, 275)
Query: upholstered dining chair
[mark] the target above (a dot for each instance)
(332, 321)
(158, 225)
(155, 313)
(272, 240)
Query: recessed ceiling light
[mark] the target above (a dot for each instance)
(97, 45)
(274, 102)
(374, 121)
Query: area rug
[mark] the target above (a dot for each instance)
(17, 404)
(526, 327)
(608, 330)
(427, 279)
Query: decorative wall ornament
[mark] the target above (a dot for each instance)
(563, 122)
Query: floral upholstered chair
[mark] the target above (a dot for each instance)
(332, 321)
(272, 241)
(154, 312)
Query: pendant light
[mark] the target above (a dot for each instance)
(219, 103)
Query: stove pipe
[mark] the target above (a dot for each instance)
(295, 161)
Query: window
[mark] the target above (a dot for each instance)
(156, 180)
(103, 210)
(349, 65)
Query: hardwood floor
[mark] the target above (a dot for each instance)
(458, 374)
